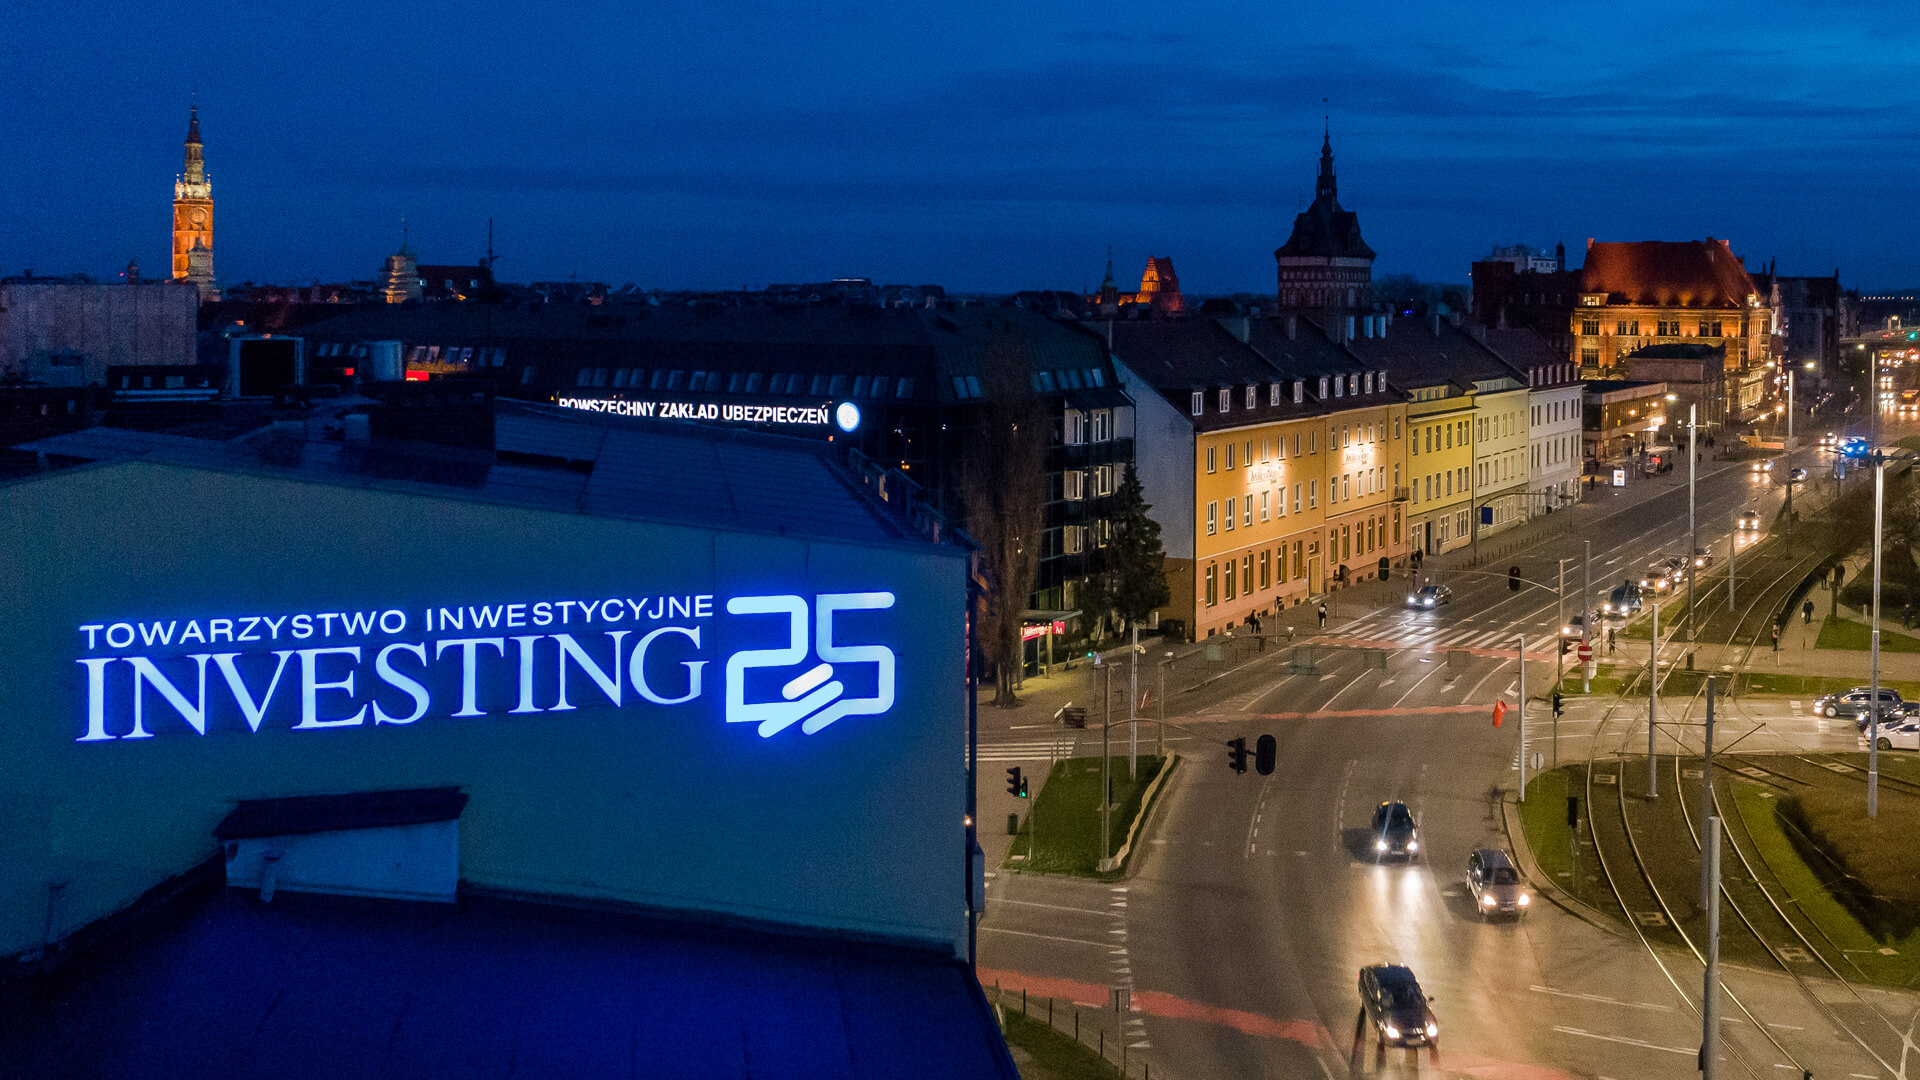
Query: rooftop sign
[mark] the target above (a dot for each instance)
(845, 416)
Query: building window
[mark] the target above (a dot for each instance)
(1313, 494)
(1226, 400)
(1296, 498)
(1253, 396)
(1313, 441)
(1273, 393)
(1213, 594)
(1210, 459)
(1299, 559)
(1103, 480)
(1246, 573)
(1590, 327)
(1229, 457)
(1266, 569)
(1213, 517)
(1323, 388)
(1102, 425)
(1299, 391)
(1075, 539)
(1076, 427)
(1230, 514)
(1199, 403)
(1589, 357)
(1231, 581)
(1076, 485)
(1246, 517)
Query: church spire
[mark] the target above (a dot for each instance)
(1324, 187)
(196, 166)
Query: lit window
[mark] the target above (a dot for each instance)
(1213, 519)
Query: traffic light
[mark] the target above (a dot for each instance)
(1263, 751)
(1513, 579)
(1573, 811)
(1558, 702)
(1016, 783)
(1386, 568)
(1237, 754)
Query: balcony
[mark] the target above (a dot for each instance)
(1401, 494)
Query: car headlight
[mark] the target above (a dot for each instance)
(1411, 598)
(1379, 845)
(1433, 1029)
(1413, 845)
(1524, 900)
(1392, 1032)
(1488, 901)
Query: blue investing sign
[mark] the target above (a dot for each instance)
(786, 660)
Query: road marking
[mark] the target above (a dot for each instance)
(1055, 907)
(1596, 997)
(1044, 937)
(1624, 1041)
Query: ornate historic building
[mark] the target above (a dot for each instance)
(193, 217)
(1325, 269)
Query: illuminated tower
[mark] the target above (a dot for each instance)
(1325, 269)
(193, 217)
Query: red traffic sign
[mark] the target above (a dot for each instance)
(1586, 652)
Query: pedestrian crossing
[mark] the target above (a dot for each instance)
(1408, 634)
(1048, 749)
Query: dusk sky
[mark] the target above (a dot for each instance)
(979, 146)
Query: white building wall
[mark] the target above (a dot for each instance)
(1554, 452)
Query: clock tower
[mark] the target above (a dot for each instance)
(193, 217)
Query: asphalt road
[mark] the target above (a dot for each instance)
(1255, 901)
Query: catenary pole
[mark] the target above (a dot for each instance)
(1586, 610)
(1133, 705)
(1706, 795)
(1693, 529)
(1710, 996)
(1653, 700)
(1873, 703)
(1106, 781)
(1522, 657)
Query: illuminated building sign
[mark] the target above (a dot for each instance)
(846, 416)
(784, 659)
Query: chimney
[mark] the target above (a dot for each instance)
(1240, 326)
(1293, 327)
(1436, 323)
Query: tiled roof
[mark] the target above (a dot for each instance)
(1324, 230)
(1421, 351)
(1662, 273)
(1525, 349)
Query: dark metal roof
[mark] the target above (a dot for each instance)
(487, 990)
(328, 813)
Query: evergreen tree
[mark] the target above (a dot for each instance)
(1136, 564)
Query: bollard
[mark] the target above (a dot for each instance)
(1103, 1044)
(1023, 1001)
(1049, 1014)
(1076, 1025)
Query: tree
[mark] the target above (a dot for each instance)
(1003, 486)
(1136, 564)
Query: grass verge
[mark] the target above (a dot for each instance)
(1067, 812)
(1543, 817)
(1848, 634)
(1045, 1054)
(1815, 685)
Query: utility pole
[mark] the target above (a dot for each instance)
(1133, 704)
(1586, 608)
(1693, 530)
(1710, 996)
(1733, 546)
(1707, 883)
(1560, 651)
(1873, 703)
(1160, 729)
(1523, 717)
(1653, 700)
(1106, 779)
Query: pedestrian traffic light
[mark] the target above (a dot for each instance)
(1237, 754)
(1263, 752)
(1016, 783)
(1558, 703)
(1513, 579)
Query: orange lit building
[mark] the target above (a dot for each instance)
(193, 217)
(1159, 290)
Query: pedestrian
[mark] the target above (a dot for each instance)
(1610, 649)
(1906, 615)
(1806, 613)
(1776, 635)
(1259, 639)
(1323, 614)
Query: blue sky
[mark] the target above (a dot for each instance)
(982, 146)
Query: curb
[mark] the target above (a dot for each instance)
(1547, 887)
(1147, 802)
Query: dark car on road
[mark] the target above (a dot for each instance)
(1495, 884)
(1427, 596)
(1854, 703)
(1395, 834)
(1396, 1008)
(1623, 601)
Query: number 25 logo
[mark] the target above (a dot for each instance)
(815, 695)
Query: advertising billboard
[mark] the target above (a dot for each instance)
(739, 723)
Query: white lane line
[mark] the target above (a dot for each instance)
(1055, 907)
(1596, 997)
(1044, 937)
(1689, 1051)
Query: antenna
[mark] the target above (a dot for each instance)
(490, 254)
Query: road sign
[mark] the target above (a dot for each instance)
(1586, 652)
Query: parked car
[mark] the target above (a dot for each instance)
(1749, 519)
(1854, 703)
(1395, 833)
(1901, 736)
(1396, 1008)
(1495, 884)
(1427, 596)
(1623, 601)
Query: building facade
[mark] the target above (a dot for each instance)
(193, 216)
(66, 332)
(1620, 419)
(1694, 374)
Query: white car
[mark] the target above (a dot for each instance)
(1904, 736)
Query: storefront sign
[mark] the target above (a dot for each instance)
(1040, 630)
(318, 670)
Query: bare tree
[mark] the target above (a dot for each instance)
(1003, 486)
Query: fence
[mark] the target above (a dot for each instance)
(1100, 1030)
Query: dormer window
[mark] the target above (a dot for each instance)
(1273, 393)
(1323, 388)
(1253, 395)
(1353, 384)
(1226, 399)
(1368, 382)
(1299, 391)
(1199, 403)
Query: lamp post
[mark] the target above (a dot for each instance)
(1873, 702)
(1653, 700)
(1586, 612)
(1693, 530)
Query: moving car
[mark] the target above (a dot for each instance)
(1396, 1008)
(1903, 736)
(1702, 557)
(1855, 447)
(1623, 601)
(1762, 469)
(1854, 703)
(1749, 519)
(1829, 441)
(1495, 884)
(1575, 627)
(1661, 575)
(1394, 831)
(1796, 476)
(1427, 596)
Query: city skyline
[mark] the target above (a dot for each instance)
(687, 150)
